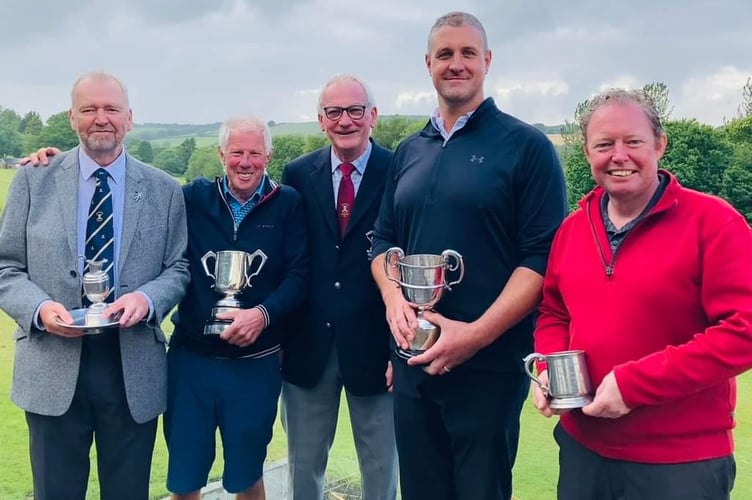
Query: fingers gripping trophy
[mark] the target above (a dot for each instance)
(423, 279)
(232, 274)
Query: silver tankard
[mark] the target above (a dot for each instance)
(232, 274)
(423, 281)
(568, 378)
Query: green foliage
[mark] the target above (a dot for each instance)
(204, 162)
(739, 130)
(390, 131)
(657, 92)
(577, 173)
(697, 154)
(286, 149)
(57, 132)
(170, 160)
(745, 108)
(31, 123)
(144, 152)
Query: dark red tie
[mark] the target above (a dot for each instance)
(345, 197)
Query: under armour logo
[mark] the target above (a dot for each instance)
(479, 159)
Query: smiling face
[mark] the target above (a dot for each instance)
(623, 152)
(458, 62)
(348, 136)
(244, 159)
(101, 118)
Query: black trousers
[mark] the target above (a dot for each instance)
(583, 475)
(457, 435)
(59, 446)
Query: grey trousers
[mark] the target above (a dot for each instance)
(309, 417)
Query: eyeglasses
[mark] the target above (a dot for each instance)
(356, 112)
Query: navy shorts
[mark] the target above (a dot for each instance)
(238, 397)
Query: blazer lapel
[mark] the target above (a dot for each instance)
(66, 190)
(132, 208)
(321, 177)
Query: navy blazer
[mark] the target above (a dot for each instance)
(344, 306)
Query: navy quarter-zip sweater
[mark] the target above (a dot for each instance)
(276, 225)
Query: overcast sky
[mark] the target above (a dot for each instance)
(199, 61)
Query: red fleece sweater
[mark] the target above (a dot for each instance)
(670, 313)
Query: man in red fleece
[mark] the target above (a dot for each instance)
(652, 280)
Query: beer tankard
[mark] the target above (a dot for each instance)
(568, 378)
(231, 276)
(423, 281)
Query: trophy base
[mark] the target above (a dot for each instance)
(216, 326)
(569, 403)
(407, 353)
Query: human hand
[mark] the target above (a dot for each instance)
(402, 319)
(50, 313)
(130, 309)
(457, 343)
(540, 398)
(389, 376)
(246, 326)
(40, 157)
(607, 402)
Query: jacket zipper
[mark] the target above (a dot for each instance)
(232, 216)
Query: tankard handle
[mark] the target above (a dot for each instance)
(528, 361)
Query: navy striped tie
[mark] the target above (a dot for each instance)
(99, 227)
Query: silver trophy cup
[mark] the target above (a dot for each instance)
(96, 283)
(423, 281)
(568, 378)
(232, 274)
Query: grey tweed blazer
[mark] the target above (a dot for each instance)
(38, 261)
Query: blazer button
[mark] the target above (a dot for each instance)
(337, 286)
(336, 247)
(73, 273)
(328, 325)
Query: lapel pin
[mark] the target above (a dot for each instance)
(137, 196)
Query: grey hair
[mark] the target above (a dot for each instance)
(245, 124)
(370, 102)
(458, 19)
(622, 96)
(98, 76)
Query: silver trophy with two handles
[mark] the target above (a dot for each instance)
(423, 280)
(233, 270)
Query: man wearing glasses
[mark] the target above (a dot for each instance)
(340, 338)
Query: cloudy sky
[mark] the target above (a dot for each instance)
(199, 61)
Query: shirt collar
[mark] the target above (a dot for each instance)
(359, 163)
(255, 197)
(438, 123)
(87, 166)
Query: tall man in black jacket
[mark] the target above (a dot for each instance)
(489, 186)
(341, 337)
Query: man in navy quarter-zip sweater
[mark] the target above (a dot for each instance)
(232, 381)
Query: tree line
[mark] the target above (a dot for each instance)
(716, 160)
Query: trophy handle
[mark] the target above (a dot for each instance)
(453, 261)
(251, 257)
(389, 256)
(204, 260)
(528, 361)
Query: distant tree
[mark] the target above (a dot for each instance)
(204, 162)
(286, 149)
(739, 130)
(185, 149)
(745, 108)
(271, 123)
(170, 160)
(390, 131)
(145, 152)
(31, 123)
(657, 92)
(314, 142)
(697, 154)
(737, 180)
(56, 132)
